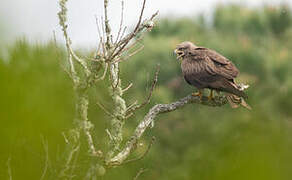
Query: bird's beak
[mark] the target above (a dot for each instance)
(178, 54)
(175, 52)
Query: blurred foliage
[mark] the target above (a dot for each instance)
(196, 142)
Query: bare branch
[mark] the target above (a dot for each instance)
(150, 117)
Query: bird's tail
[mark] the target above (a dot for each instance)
(236, 101)
(236, 89)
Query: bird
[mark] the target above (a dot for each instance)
(205, 68)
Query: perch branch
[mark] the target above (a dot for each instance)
(150, 118)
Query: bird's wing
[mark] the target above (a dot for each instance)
(220, 65)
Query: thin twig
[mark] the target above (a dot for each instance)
(143, 155)
(140, 17)
(69, 160)
(130, 55)
(132, 105)
(104, 72)
(65, 138)
(107, 26)
(139, 27)
(121, 23)
(123, 33)
(127, 88)
(118, 78)
(141, 171)
(147, 101)
(9, 168)
(100, 35)
(104, 36)
(46, 149)
(104, 109)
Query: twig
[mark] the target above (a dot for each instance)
(118, 78)
(127, 88)
(109, 134)
(150, 117)
(107, 26)
(73, 166)
(65, 138)
(91, 143)
(9, 168)
(104, 72)
(147, 101)
(100, 35)
(121, 23)
(139, 27)
(120, 38)
(69, 159)
(143, 155)
(104, 109)
(140, 17)
(46, 149)
(141, 171)
(130, 55)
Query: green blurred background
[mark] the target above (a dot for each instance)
(196, 142)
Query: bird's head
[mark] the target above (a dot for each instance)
(183, 48)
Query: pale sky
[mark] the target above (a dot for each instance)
(37, 19)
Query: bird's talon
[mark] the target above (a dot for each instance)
(198, 94)
(210, 97)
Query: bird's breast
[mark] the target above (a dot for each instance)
(192, 67)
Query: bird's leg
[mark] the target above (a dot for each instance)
(210, 97)
(199, 93)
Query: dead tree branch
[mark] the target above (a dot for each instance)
(150, 118)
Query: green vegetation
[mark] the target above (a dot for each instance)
(197, 142)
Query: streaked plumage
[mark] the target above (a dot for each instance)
(205, 68)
